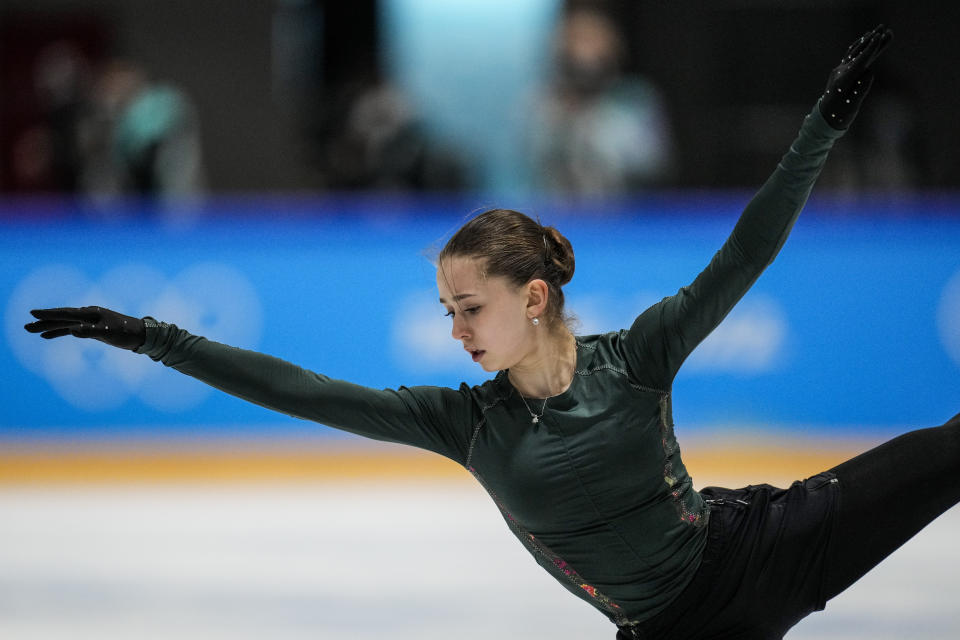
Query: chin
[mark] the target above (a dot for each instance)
(487, 365)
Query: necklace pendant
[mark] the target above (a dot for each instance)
(536, 419)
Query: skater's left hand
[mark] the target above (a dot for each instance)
(851, 79)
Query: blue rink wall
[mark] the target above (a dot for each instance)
(854, 329)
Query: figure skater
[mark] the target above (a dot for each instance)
(573, 437)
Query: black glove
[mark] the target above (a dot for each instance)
(111, 327)
(851, 79)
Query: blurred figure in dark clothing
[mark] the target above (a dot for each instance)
(44, 155)
(376, 140)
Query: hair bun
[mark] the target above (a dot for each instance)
(559, 254)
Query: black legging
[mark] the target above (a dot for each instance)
(775, 555)
(890, 493)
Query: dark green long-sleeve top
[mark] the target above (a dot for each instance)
(596, 490)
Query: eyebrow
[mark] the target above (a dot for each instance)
(459, 297)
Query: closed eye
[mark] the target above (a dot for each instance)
(470, 310)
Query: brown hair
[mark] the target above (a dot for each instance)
(515, 246)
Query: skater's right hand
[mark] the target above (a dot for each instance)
(104, 325)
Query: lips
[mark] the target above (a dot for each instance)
(476, 354)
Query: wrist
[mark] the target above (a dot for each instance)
(837, 117)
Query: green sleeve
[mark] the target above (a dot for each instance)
(662, 337)
(434, 418)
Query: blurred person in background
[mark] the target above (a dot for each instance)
(46, 155)
(597, 130)
(374, 138)
(139, 137)
(106, 134)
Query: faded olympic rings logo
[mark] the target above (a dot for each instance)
(209, 299)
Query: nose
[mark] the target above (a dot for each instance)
(460, 329)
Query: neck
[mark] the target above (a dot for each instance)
(548, 370)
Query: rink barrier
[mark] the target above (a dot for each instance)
(25, 465)
(854, 330)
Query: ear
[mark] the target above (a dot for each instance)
(537, 295)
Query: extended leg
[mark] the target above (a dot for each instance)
(890, 493)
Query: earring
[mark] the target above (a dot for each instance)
(535, 321)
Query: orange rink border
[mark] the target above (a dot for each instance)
(777, 461)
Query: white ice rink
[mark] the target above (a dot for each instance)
(412, 560)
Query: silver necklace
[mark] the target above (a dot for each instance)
(536, 417)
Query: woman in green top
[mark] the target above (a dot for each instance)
(573, 437)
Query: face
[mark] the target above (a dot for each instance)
(490, 317)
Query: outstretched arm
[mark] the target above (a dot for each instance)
(664, 335)
(434, 418)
